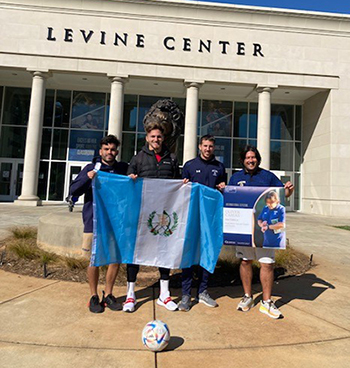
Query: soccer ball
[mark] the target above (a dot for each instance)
(156, 335)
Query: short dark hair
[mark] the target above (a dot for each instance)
(207, 137)
(110, 139)
(249, 148)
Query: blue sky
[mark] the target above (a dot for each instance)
(335, 6)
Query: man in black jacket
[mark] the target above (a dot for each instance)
(83, 185)
(153, 161)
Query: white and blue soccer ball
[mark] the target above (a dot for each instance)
(156, 335)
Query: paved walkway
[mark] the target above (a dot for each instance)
(47, 323)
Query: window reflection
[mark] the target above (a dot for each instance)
(48, 110)
(128, 146)
(238, 146)
(216, 118)
(62, 109)
(88, 110)
(223, 151)
(281, 156)
(253, 120)
(240, 119)
(13, 141)
(130, 113)
(16, 106)
(282, 122)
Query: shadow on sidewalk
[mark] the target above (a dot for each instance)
(303, 287)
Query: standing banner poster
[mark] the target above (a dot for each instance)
(254, 217)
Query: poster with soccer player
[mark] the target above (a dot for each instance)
(254, 217)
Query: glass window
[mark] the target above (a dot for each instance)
(217, 118)
(238, 146)
(62, 109)
(223, 151)
(84, 145)
(1, 94)
(240, 120)
(56, 189)
(253, 120)
(253, 142)
(13, 141)
(281, 156)
(141, 141)
(282, 122)
(88, 110)
(59, 144)
(16, 107)
(298, 118)
(128, 146)
(48, 110)
(43, 177)
(130, 113)
(145, 104)
(297, 156)
(45, 143)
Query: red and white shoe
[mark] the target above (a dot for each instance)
(167, 303)
(129, 305)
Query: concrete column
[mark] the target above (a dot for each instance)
(29, 196)
(191, 118)
(264, 124)
(116, 109)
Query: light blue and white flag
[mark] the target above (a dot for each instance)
(156, 222)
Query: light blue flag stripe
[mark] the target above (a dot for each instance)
(191, 250)
(117, 205)
(211, 224)
(118, 200)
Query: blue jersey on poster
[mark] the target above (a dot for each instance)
(273, 238)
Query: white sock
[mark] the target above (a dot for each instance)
(131, 290)
(164, 289)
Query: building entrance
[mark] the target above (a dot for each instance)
(11, 175)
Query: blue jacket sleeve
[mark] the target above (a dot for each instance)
(185, 173)
(82, 183)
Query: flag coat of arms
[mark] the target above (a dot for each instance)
(156, 222)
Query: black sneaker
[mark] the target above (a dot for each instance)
(94, 305)
(111, 302)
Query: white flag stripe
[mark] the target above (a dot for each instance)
(164, 210)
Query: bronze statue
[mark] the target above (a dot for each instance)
(171, 118)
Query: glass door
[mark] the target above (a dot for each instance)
(73, 169)
(11, 174)
(6, 181)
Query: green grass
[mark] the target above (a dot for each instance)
(76, 263)
(24, 248)
(26, 232)
(345, 227)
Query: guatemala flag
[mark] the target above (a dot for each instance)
(156, 222)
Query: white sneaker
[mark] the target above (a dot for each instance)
(129, 305)
(245, 303)
(167, 303)
(268, 307)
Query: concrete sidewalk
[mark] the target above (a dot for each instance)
(47, 323)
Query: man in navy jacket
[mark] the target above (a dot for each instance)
(83, 185)
(206, 170)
